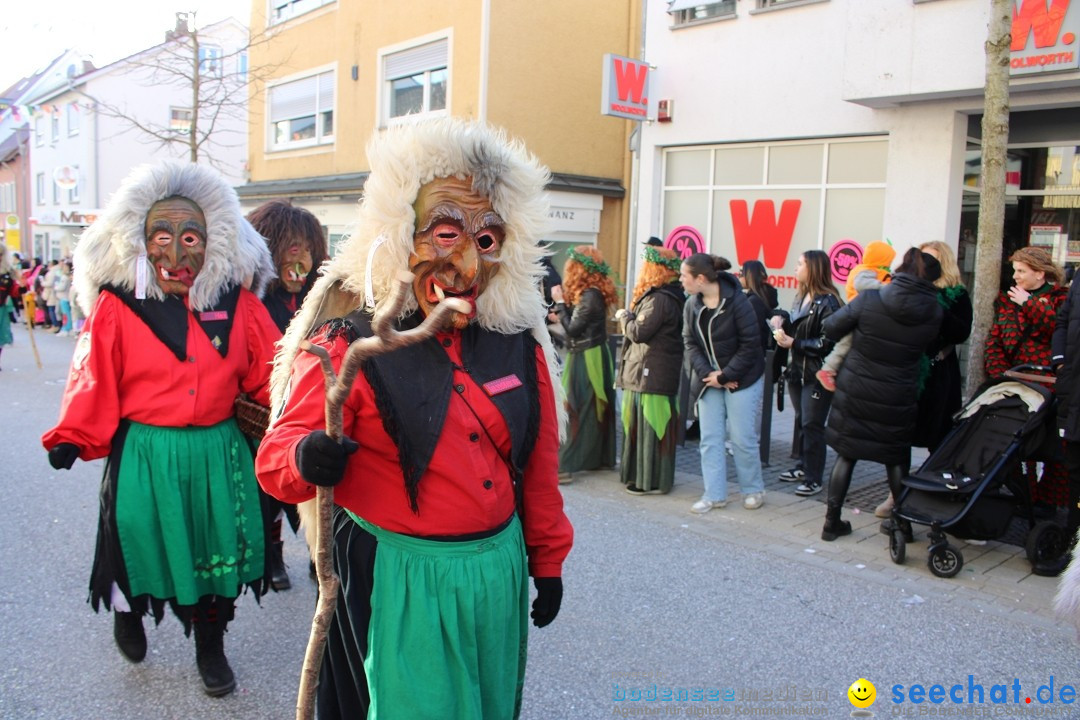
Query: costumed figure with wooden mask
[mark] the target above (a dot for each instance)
(446, 476)
(173, 335)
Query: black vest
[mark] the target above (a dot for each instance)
(412, 387)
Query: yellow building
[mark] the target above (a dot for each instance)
(340, 69)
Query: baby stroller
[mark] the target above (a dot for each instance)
(966, 486)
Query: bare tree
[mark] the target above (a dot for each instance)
(995, 138)
(217, 81)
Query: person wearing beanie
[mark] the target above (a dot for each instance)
(895, 326)
(871, 273)
(445, 481)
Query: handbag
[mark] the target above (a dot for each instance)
(39, 316)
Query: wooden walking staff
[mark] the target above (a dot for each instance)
(30, 333)
(384, 340)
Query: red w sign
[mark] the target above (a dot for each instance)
(763, 234)
(1035, 17)
(626, 88)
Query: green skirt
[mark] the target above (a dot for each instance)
(187, 512)
(650, 433)
(449, 626)
(588, 380)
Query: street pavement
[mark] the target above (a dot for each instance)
(750, 605)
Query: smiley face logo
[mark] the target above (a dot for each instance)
(862, 693)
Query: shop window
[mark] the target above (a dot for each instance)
(39, 131)
(54, 125)
(855, 213)
(415, 80)
(740, 166)
(691, 12)
(686, 207)
(795, 164)
(302, 112)
(73, 191)
(282, 10)
(857, 162)
(39, 188)
(690, 167)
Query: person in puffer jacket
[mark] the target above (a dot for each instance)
(875, 406)
(723, 348)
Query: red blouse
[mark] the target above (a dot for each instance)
(122, 370)
(466, 488)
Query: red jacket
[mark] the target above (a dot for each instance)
(121, 370)
(466, 487)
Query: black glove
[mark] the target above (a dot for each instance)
(547, 602)
(322, 459)
(63, 456)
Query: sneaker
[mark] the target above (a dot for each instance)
(703, 506)
(753, 501)
(826, 379)
(808, 489)
(793, 475)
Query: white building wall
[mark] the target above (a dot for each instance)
(912, 73)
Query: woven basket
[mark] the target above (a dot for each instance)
(252, 417)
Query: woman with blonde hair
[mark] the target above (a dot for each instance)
(652, 353)
(940, 386)
(588, 378)
(1024, 318)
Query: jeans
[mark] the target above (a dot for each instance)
(743, 408)
(65, 315)
(811, 405)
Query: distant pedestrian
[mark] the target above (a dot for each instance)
(8, 289)
(652, 354)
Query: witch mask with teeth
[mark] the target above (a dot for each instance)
(176, 243)
(456, 244)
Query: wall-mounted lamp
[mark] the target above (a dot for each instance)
(355, 72)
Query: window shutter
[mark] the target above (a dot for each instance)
(295, 99)
(431, 56)
(326, 91)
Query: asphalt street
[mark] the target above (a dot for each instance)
(658, 604)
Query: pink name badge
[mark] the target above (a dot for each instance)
(502, 384)
(213, 316)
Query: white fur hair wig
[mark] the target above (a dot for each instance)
(408, 156)
(402, 159)
(108, 252)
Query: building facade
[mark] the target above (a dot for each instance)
(86, 135)
(343, 70)
(802, 124)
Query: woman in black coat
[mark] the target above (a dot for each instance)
(874, 408)
(589, 374)
(801, 332)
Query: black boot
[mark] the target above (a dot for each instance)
(834, 526)
(129, 635)
(279, 578)
(217, 676)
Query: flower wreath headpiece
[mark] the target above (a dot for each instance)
(588, 263)
(652, 254)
